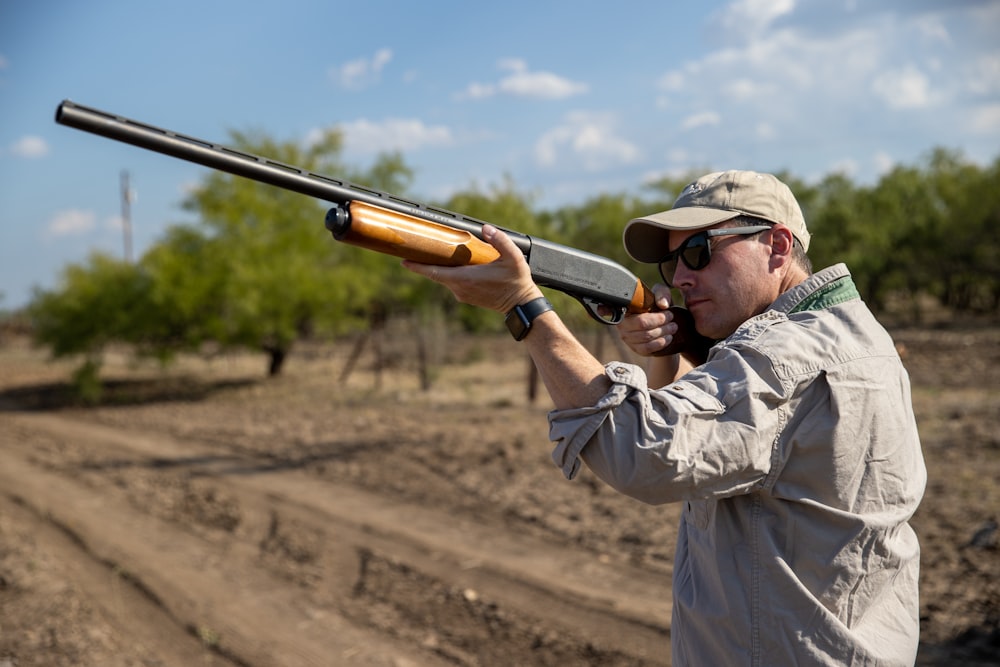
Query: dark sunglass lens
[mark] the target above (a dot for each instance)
(696, 253)
(667, 269)
(697, 256)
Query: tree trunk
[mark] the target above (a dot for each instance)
(532, 380)
(277, 360)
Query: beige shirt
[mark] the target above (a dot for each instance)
(795, 451)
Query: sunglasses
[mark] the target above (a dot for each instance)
(696, 251)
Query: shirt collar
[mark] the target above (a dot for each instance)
(821, 290)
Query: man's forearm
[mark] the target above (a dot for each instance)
(573, 377)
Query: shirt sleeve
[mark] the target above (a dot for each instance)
(710, 434)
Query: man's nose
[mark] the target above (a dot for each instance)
(683, 276)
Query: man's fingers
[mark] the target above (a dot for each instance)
(648, 333)
(431, 271)
(498, 285)
(662, 295)
(501, 241)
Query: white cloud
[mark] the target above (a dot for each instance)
(361, 72)
(986, 119)
(747, 89)
(522, 82)
(815, 74)
(585, 139)
(774, 70)
(751, 17)
(402, 134)
(71, 222)
(671, 81)
(933, 29)
(982, 77)
(701, 119)
(765, 131)
(787, 66)
(883, 163)
(906, 88)
(30, 147)
(478, 91)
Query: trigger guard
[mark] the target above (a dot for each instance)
(591, 307)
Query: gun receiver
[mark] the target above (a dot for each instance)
(398, 226)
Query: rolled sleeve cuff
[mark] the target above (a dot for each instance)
(573, 428)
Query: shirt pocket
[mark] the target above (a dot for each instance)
(688, 398)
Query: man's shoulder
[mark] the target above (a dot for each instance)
(836, 329)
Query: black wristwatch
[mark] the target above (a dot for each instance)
(519, 319)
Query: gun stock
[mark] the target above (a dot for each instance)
(397, 226)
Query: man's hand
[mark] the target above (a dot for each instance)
(648, 333)
(500, 285)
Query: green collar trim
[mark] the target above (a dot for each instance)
(837, 292)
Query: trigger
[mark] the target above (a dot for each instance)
(593, 309)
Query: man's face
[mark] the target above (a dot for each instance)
(735, 285)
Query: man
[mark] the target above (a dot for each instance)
(793, 448)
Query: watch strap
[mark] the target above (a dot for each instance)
(520, 317)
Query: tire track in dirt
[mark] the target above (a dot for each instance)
(241, 613)
(371, 574)
(131, 621)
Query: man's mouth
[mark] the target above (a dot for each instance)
(694, 302)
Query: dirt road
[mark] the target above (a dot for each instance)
(206, 516)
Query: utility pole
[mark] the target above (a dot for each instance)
(127, 215)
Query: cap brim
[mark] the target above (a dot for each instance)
(647, 239)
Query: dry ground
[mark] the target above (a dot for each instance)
(204, 515)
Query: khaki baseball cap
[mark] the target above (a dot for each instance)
(712, 199)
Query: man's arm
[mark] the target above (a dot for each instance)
(572, 376)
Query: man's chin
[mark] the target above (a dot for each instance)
(708, 324)
(702, 317)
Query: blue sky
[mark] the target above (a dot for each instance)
(568, 99)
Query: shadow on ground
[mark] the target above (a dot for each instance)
(60, 395)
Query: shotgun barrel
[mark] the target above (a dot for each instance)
(606, 289)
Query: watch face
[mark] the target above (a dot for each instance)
(517, 323)
(520, 318)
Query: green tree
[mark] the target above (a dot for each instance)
(271, 274)
(375, 284)
(94, 304)
(257, 270)
(963, 252)
(187, 292)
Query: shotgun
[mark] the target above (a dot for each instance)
(397, 226)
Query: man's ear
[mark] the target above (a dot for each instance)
(782, 242)
(782, 239)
